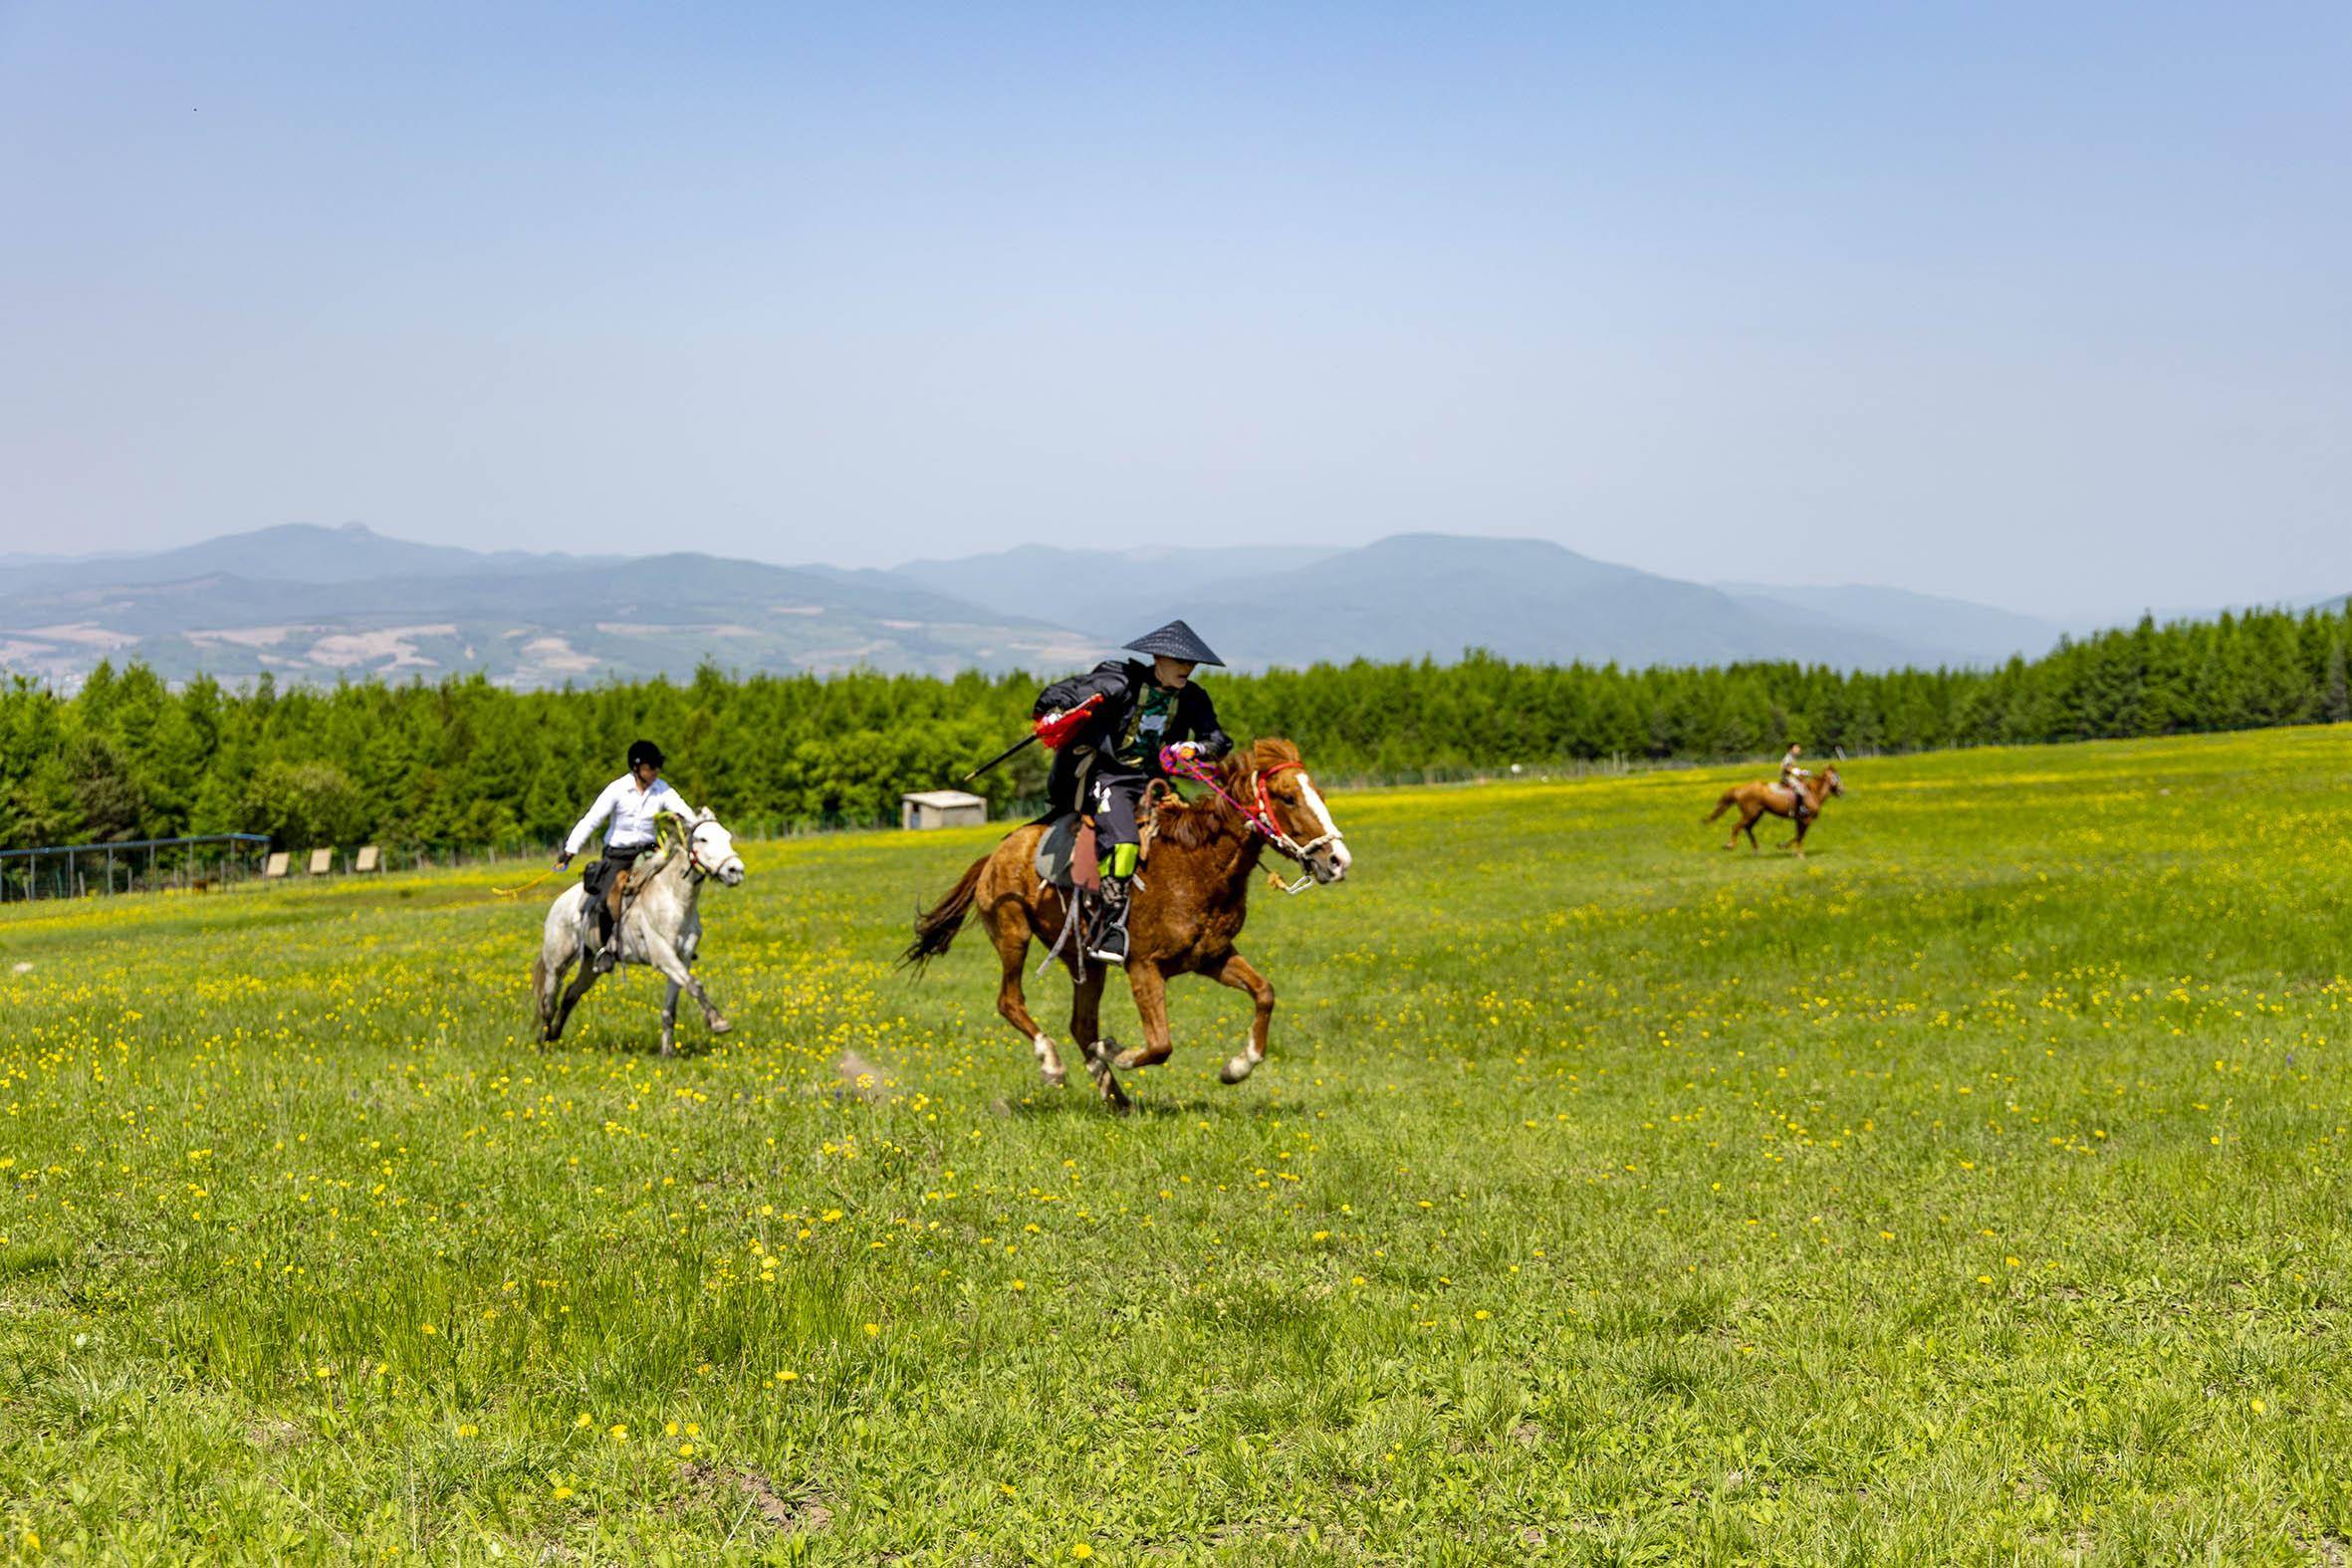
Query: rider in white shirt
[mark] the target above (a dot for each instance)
(631, 804)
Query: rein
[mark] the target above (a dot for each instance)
(518, 892)
(1259, 817)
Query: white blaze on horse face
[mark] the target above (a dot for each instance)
(1322, 815)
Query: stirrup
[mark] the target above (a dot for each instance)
(1107, 942)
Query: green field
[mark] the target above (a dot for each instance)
(1971, 1190)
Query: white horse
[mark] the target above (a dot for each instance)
(662, 929)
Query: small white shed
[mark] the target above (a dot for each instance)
(941, 808)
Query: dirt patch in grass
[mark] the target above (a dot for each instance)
(794, 1515)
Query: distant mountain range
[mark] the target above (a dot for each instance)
(323, 603)
(314, 603)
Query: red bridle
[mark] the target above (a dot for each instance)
(1258, 812)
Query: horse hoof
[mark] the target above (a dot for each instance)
(1133, 1057)
(1235, 1069)
(1055, 1080)
(720, 1025)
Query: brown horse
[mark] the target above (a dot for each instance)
(1189, 904)
(1754, 800)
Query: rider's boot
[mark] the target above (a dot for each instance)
(603, 941)
(1107, 942)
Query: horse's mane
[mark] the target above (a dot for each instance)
(1192, 825)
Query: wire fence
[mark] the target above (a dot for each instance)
(196, 864)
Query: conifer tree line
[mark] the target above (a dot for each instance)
(464, 763)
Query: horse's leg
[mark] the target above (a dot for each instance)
(1239, 973)
(547, 983)
(672, 968)
(669, 1020)
(1748, 826)
(1085, 1032)
(1150, 988)
(1007, 931)
(571, 998)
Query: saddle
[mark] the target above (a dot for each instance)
(625, 883)
(1067, 858)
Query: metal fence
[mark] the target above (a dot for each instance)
(135, 865)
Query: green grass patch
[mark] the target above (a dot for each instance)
(1972, 1190)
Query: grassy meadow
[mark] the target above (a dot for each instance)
(1971, 1190)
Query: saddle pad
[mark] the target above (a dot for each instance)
(1055, 849)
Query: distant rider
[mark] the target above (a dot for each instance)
(632, 802)
(1149, 713)
(1792, 780)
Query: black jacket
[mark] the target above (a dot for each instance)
(1121, 684)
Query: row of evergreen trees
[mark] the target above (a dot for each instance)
(464, 763)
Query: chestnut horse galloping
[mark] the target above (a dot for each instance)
(1754, 800)
(1190, 903)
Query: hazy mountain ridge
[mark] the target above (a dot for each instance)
(1961, 631)
(522, 620)
(318, 605)
(1069, 584)
(1431, 595)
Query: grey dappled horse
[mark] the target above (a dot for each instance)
(662, 929)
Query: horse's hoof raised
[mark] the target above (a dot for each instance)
(1236, 1068)
(1133, 1057)
(720, 1025)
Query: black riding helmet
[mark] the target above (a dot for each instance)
(645, 752)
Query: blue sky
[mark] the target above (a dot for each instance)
(2042, 305)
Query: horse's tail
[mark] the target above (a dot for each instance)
(936, 927)
(1730, 796)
